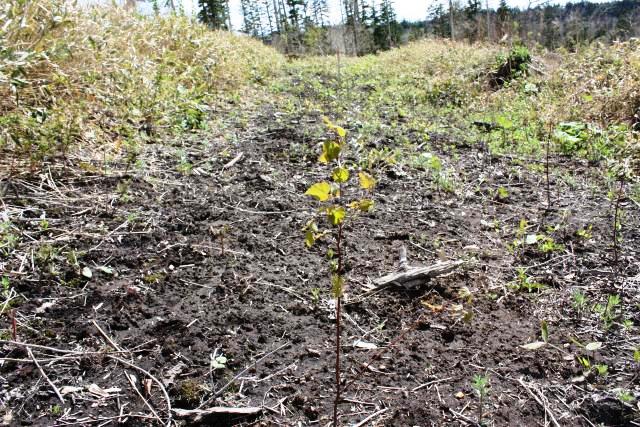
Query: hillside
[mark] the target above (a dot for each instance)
(184, 215)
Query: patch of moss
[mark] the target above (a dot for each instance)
(190, 391)
(153, 278)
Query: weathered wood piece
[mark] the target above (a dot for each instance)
(199, 413)
(412, 277)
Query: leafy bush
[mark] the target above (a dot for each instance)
(587, 140)
(511, 66)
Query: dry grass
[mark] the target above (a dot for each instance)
(602, 83)
(105, 76)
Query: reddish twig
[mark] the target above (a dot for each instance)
(616, 219)
(14, 326)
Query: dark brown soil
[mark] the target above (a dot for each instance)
(170, 296)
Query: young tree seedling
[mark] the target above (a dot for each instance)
(220, 233)
(622, 172)
(335, 210)
(481, 386)
(546, 169)
(315, 296)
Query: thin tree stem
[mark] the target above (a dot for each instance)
(338, 396)
(616, 219)
(339, 272)
(547, 174)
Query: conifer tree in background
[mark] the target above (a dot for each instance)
(303, 26)
(387, 31)
(504, 14)
(351, 22)
(319, 12)
(368, 13)
(252, 18)
(214, 13)
(488, 13)
(451, 24)
(624, 27)
(266, 10)
(550, 33)
(296, 11)
(356, 24)
(315, 31)
(439, 22)
(281, 17)
(472, 11)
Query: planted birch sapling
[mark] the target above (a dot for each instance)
(620, 172)
(335, 210)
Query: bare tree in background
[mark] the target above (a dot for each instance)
(453, 33)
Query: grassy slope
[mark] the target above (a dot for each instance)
(440, 86)
(104, 77)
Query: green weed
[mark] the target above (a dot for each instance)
(481, 386)
(524, 283)
(609, 312)
(579, 302)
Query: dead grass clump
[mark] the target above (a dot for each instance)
(602, 83)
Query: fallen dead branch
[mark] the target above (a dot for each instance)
(199, 413)
(370, 417)
(430, 383)
(233, 161)
(131, 380)
(240, 374)
(106, 337)
(71, 353)
(154, 379)
(463, 417)
(44, 375)
(540, 400)
(410, 277)
(105, 420)
(79, 354)
(413, 277)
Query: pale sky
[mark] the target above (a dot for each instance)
(411, 10)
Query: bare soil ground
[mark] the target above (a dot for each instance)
(167, 296)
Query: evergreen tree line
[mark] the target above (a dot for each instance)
(552, 26)
(302, 26)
